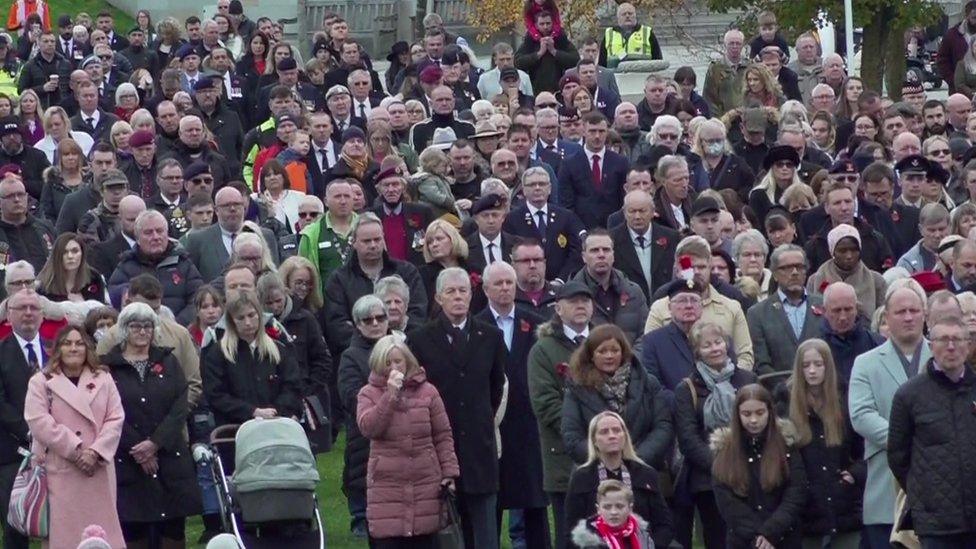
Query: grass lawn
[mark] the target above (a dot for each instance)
(123, 22)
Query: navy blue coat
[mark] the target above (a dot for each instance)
(577, 193)
(846, 347)
(561, 242)
(563, 149)
(667, 356)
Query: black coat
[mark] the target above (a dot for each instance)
(546, 71)
(561, 242)
(931, 441)
(221, 169)
(14, 375)
(174, 270)
(103, 128)
(75, 206)
(520, 467)
(476, 252)
(470, 379)
(95, 290)
(228, 133)
(38, 71)
(233, 389)
(790, 82)
(156, 409)
(32, 164)
(104, 256)
(649, 503)
(646, 415)
(428, 275)
(663, 243)
(899, 225)
(53, 194)
(353, 376)
(733, 173)
(876, 254)
(311, 352)
(422, 132)
(31, 241)
(689, 424)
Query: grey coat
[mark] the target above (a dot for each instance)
(632, 310)
(208, 253)
(773, 341)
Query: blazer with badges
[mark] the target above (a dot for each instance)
(561, 150)
(561, 240)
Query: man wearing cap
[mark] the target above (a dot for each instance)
(912, 172)
(404, 223)
(548, 372)
(45, 71)
(546, 58)
(510, 88)
(705, 223)
(442, 116)
(617, 299)
(91, 119)
(933, 224)
(489, 243)
(138, 54)
(244, 26)
(502, 56)
(189, 66)
(31, 161)
(287, 70)
(140, 169)
(22, 236)
(935, 182)
(101, 223)
(754, 145)
(339, 102)
(222, 122)
(643, 250)
(839, 204)
(772, 57)
(193, 147)
(591, 182)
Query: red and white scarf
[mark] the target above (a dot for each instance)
(614, 536)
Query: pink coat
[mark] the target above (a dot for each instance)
(411, 451)
(87, 416)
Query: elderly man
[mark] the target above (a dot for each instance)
(489, 243)
(551, 148)
(958, 108)
(628, 39)
(625, 123)
(808, 66)
(723, 81)
(193, 146)
(717, 308)
(844, 329)
(220, 119)
(442, 116)
(502, 57)
(22, 236)
(790, 305)
(546, 58)
(876, 376)
(822, 98)
(155, 254)
(465, 359)
(142, 167)
(210, 249)
(672, 202)
(367, 262)
(103, 256)
(933, 224)
(638, 179)
(666, 351)
(643, 250)
(520, 466)
(617, 299)
(404, 223)
(591, 182)
(31, 161)
(834, 74)
(557, 340)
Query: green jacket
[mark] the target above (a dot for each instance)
(723, 86)
(548, 372)
(327, 252)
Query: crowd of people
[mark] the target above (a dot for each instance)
(749, 308)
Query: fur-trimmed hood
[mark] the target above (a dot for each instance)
(584, 534)
(720, 438)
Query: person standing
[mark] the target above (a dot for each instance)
(723, 82)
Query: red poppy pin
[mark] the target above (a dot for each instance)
(475, 279)
(90, 387)
(562, 369)
(524, 326)
(662, 242)
(275, 333)
(624, 298)
(816, 310)
(888, 263)
(823, 285)
(157, 369)
(414, 221)
(177, 278)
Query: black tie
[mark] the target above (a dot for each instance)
(642, 242)
(325, 160)
(491, 253)
(578, 340)
(32, 360)
(362, 111)
(91, 123)
(341, 125)
(457, 337)
(542, 222)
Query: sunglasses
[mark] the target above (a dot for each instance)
(376, 319)
(940, 152)
(546, 105)
(305, 215)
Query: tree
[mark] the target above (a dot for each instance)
(884, 23)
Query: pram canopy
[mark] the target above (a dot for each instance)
(273, 454)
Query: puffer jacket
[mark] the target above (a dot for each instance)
(629, 314)
(646, 413)
(411, 452)
(353, 376)
(931, 441)
(31, 241)
(179, 277)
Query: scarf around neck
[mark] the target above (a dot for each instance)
(616, 536)
(357, 166)
(717, 408)
(860, 278)
(614, 388)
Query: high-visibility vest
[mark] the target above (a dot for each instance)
(639, 42)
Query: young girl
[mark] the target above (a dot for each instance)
(533, 7)
(210, 307)
(615, 524)
(757, 476)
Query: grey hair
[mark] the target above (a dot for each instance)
(546, 113)
(245, 239)
(392, 283)
(933, 213)
(908, 284)
(449, 274)
(137, 312)
(665, 164)
(492, 269)
(482, 106)
(145, 216)
(124, 88)
(493, 185)
(785, 249)
(749, 236)
(665, 121)
(269, 282)
(365, 305)
(21, 265)
(535, 170)
(837, 287)
(364, 218)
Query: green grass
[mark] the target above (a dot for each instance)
(123, 21)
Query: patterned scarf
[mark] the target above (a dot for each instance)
(614, 388)
(357, 166)
(601, 472)
(614, 536)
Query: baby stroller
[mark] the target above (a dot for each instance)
(269, 500)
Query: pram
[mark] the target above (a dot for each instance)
(269, 500)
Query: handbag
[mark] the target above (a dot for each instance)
(450, 536)
(318, 426)
(28, 509)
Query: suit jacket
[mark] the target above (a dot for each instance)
(773, 340)
(554, 158)
(561, 242)
(476, 253)
(577, 192)
(665, 216)
(14, 375)
(207, 251)
(471, 381)
(102, 129)
(316, 173)
(520, 467)
(104, 256)
(876, 376)
(663, 243)
(667, 356)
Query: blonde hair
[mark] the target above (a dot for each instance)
(459, 248)
(266, 347)
(380, 356)
(290, 266)
(700, 331)
(593, 454)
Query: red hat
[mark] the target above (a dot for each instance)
(930, 281)
(141, 138)
(431, 74)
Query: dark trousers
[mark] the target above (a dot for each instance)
(713, 527)
(356, 502)
(536, 521)
(876, 536)
(954, 541)
(428, 541)
(478, 521)
(12, 539)
(558, 502)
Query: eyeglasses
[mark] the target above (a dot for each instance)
(686, 300)
(845, 178)
(309, 215)
(784, 164)
(940, 152)
(14, 196)
(946, 340)
(26, 283)
(794, 268)
(376, 319)
(203, 181)
(668, 136)
(546, 105)
(30, 308)
(133, 327)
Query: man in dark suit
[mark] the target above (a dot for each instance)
(488, 244)
(21, 356)
(465, 359)
(556, 227)
(520, 466)
(339, 101)
(364, 99)
(878, 190)
(550, 148)
(666, 351)
(324, 152)
(104, 256)
(644, 250)
(404, 223)
(591, 183)
(788, 317)
(963, 277)
(91, 119)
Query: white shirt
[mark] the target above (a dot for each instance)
(535, 216)
(643, 253)
(497, 248)
(506, 323)
(129, 241)
(365, 105)
(36, 343)
(330, 156)
(228, 239)
(95, 116)
(571, 334)
(459, 327)
(589, 157)
(679, 215)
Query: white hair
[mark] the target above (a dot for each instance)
(452, 274)
(494, 269)
(665, 121)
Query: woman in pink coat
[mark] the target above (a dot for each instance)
(75, 417)
(411, 452)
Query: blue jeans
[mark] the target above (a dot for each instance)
(211, 504)
(356, 502)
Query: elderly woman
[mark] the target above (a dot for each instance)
(611, 455)
(396, 297)
(63, 178)
(605, 375)
(703, 403)
(372, 323)
(142, 120)
(157, 484)
(845, 265)
(57, 127)
(749, 251)
(246, 373)
(66, 275)
(76, 446)
(302, 280)
(482, 110)
(781, 165)
(398, 407)
(126, 100)
(725, 170)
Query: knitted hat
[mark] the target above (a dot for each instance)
(839, 232)
(352, 132)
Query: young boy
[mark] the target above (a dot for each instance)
(200, 210)
(293, 160)
(615, 524)
(769, 35)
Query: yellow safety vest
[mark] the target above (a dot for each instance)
(639, 42)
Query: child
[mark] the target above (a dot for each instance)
(293, 159)
(769, 35)
(200, 210)
(533, 7)
(431, 183)
(615, 525)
